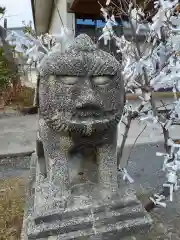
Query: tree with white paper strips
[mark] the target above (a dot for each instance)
(35, 48)
(148, 71)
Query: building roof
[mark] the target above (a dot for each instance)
(92, 7)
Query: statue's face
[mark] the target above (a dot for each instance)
(86, 100)
(84, 103)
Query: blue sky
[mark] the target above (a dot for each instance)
(16, 12)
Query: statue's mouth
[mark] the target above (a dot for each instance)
(84, 121)
(87, 114)
(91, 112)
(96, 115)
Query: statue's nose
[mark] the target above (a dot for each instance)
(87, 92)
(87, 99)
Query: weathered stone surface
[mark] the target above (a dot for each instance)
(123, 215)
(76, 192)
(120, 216)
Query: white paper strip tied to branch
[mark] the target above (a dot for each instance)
(168, 4)
(171, 186)
(65, 38)
(108, 2)
(150, 119)
(126, 176)
(171, 165)
(19, 48)
(104, 13)
(108, 31)
(157, 200)
(36, 48)
(166, 158)
(158, 20)
(172, 178)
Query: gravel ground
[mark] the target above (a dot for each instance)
(145, 168)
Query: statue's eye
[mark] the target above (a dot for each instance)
(69, 80)
(101, 80)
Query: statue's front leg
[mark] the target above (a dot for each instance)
(107, 167)
(58, 164)
(56, 151)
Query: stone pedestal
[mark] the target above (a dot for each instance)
(85, 215)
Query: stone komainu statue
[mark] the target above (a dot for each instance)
(81, 99)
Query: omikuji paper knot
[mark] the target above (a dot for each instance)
(126, 175)
(157, 200)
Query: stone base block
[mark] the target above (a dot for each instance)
(115, 219)
(119, 217)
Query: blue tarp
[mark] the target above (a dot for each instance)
(97, 23)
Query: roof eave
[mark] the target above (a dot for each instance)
(42, 11)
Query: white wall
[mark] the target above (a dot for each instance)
(32, 76)
(71, 21)
(29, 79)
(42, 15)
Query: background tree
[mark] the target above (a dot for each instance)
(2, 10)
(8, 55)
(29, 29)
